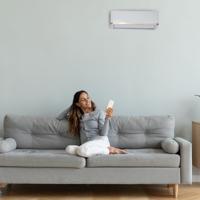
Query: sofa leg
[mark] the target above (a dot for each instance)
(175, 190)
(3, 188)
(2, 185)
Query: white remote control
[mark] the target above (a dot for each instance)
(110, 104)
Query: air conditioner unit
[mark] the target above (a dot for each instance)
(134, 19)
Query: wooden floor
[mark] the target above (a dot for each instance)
(100, 192)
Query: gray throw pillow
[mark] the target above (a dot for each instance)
(7, 145)
(169, 145)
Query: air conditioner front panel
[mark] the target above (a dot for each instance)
(134, 18)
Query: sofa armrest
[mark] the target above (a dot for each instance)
(186, 160)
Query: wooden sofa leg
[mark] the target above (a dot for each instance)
(175, 190)
(3, 188)
(3, 185)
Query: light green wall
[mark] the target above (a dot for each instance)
(51, 48)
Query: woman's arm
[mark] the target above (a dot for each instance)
(104, 121)
(63, 115)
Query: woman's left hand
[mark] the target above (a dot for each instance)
(109, 112)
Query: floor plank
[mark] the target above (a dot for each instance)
(100, 192)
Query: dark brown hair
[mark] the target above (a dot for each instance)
(76, 113)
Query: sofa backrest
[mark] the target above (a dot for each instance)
(140, 132)
(38, 132)
(124, 132)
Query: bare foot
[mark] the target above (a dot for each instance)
(114, 150)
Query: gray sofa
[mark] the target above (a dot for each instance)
(40, 157)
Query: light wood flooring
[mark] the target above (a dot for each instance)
(100, 192)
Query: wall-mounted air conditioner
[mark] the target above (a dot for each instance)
(134, 19)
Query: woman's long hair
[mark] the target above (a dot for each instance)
(76, 113)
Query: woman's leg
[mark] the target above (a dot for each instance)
(72, 149)
(97, 146)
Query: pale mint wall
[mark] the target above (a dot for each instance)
(51, 48)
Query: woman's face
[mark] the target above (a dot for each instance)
(84, 101)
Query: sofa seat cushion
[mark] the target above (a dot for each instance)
(136, 158)
(41, 158)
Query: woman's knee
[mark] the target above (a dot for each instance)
(83, 151)
(72, 149)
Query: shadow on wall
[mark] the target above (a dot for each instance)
(1, 132)
(185, 112)
(196, 109)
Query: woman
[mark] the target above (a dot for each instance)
(92, 125)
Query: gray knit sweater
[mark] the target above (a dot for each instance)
(92, 124)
